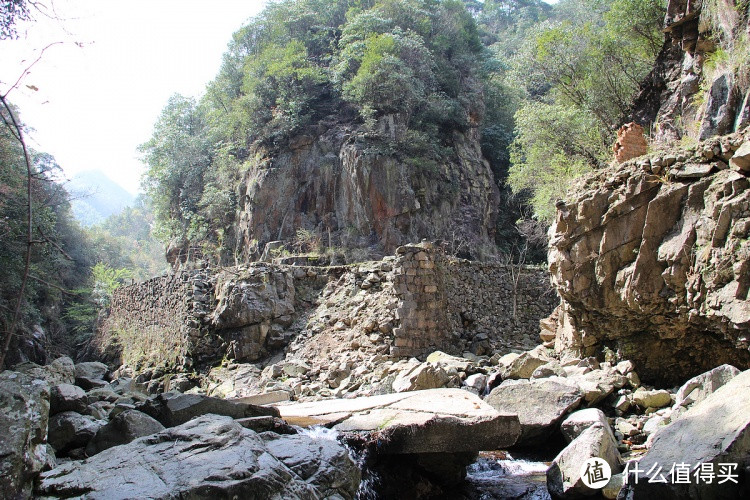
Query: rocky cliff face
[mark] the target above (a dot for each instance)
(354, 192)
(680, 97)
(652, 260)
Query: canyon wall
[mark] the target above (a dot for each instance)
(652, 260)
(354, 192)
(685, 97)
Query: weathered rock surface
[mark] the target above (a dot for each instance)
(224, 460)
(325, 178)
(60, 371)
(23, 422)
(714, 431)
(655, 266)
(539, 404)
(578, 421)
(92, 370)
(173, 409)
(668, 96)
(431, 421)
(69, 430)
(122, 429)
(701, 386)
(564, 475)
(67, 397)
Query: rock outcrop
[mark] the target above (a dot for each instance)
(335, 182)
(652, 261)
(679, 98)
(224, 460)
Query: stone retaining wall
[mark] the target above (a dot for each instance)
(247, 313)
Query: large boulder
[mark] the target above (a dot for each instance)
(421, 377)
(318, 459)
(23, 432)
(67, 397)
(210, 457)
(60, 371)
(578, 421)
(418, 422)
(92, 370)
(701, 386)
(539, 404)
(654, 398)
(69, 430)
(171, 408)
(713, 432)
(524, 365)
(122, 429)
(565, 475)
(446, 361)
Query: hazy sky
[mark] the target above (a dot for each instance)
(97, 102)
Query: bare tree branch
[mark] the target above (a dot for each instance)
(28, 69)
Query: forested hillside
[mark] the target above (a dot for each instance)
(405, 87)
(56, 275)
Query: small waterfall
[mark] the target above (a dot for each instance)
(370, 480)
(503, 476)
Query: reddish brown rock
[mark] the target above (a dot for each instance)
(630, 142)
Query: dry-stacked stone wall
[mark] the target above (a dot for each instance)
(496, 307)
(247, 313)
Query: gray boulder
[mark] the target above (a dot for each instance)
(67, 397)
(524, 365)
(578, 421)
(69, 430)
(224, 460)
(122, 429)
(91, 383)
(171, 408)
(699, 387)
(60, 371)
(23, 430)
(92, 370)
(598, 384)
(421, 377)
(564, 476)
(318, 459)
(655, 398)
(714, 431)
(539, 404)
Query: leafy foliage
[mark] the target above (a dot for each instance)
(298, 63)
(12, 11)
(580, 70)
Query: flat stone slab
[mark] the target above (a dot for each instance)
(429, 421)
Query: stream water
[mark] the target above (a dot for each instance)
(494, 475)
(502, 476)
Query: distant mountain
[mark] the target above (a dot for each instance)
(95, 197)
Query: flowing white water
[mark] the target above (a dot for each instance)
(507, 478)
(489, 478)
(319, 432)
